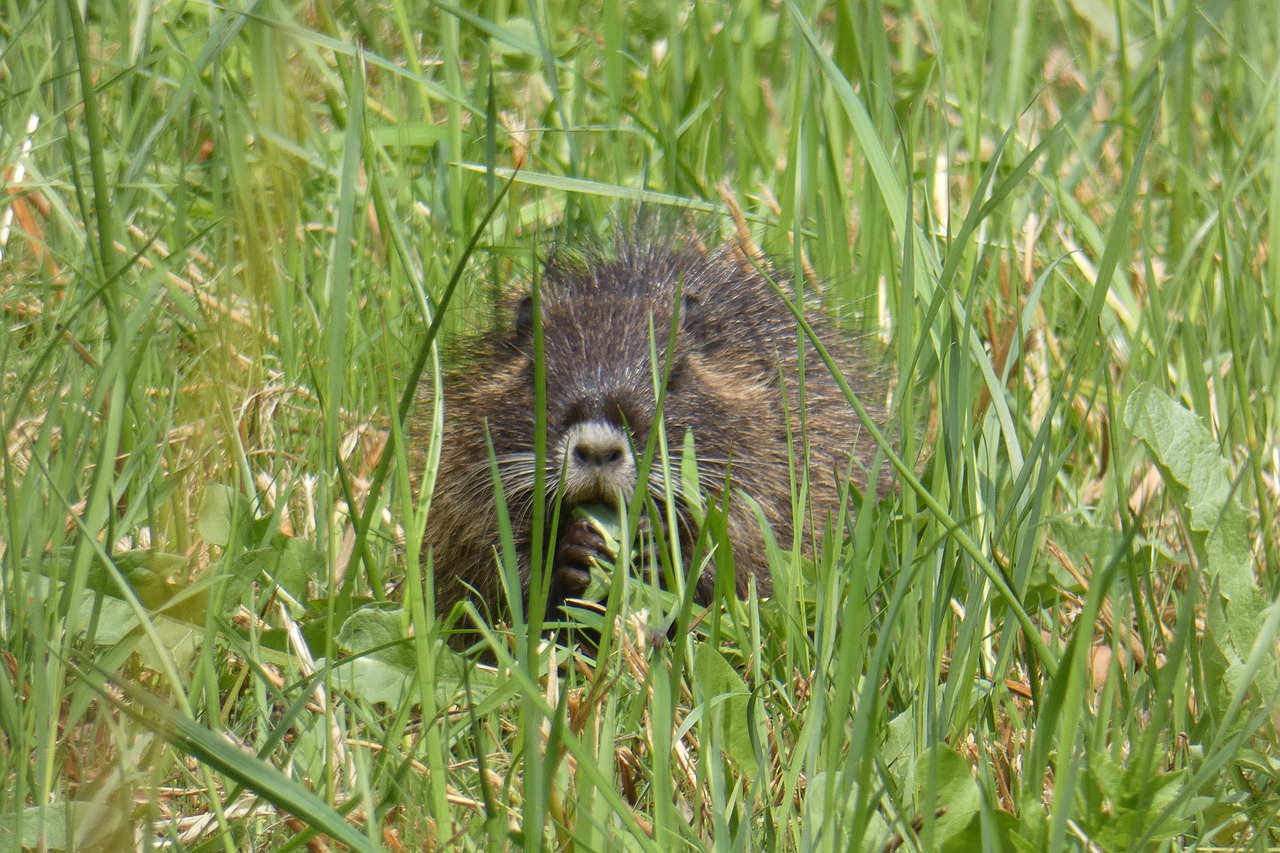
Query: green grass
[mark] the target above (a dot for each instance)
(234, 227)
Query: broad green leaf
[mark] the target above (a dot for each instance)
(958, 795)
(217, 508)
(1190, 460)
(379, 631)
(727, 694)
(64, 825)
(382, 665)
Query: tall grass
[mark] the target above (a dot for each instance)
(230, 234)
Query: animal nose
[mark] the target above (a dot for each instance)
(601, 447)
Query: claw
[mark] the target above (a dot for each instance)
(580, 546)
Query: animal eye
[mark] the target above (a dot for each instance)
(691, 310)
(696, 321)
(675, 377)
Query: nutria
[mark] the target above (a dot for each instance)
(733, 377)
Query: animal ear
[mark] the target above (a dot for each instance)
(522, 329)
(525, 316)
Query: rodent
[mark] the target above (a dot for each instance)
(733, 378)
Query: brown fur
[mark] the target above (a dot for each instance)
(735, 353)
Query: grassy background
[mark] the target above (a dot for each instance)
(231, 228)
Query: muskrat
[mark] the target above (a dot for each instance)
(732, 380)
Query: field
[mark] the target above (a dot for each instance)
(233, 238)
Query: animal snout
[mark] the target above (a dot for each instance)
(598, 463)
(598, 448)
